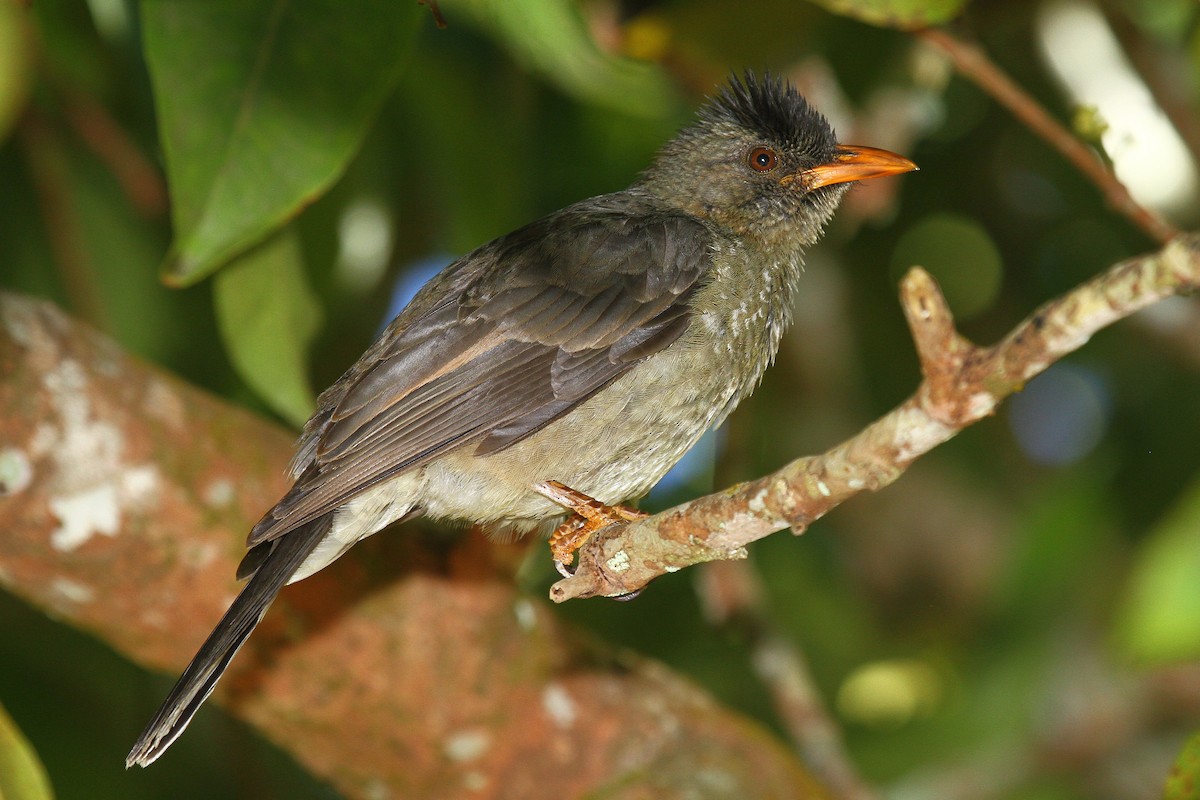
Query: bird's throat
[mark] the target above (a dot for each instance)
(745, 308)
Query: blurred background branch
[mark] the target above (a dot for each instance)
(974, 64)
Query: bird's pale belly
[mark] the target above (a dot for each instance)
(622, 441)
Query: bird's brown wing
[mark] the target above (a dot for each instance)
(537, 322)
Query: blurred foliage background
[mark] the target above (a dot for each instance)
(240, 192)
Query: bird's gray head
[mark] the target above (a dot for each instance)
(759, 160)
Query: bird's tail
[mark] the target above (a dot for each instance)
(206, 668)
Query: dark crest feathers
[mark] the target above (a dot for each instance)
(771, 107)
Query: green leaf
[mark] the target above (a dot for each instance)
(550, 37)
(261, 104)
(1183, 782)
(1160, 617)
(903, 14)
(22, 776)
(268, 316)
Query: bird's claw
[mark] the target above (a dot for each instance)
(590, 516)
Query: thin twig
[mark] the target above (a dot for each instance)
(139, 179)
(47, 159)
(963, 383)
(975, 65)
(438, 19)
(733, 597)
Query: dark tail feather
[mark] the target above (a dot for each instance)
(198, 680)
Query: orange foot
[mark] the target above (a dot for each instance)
(590, 516)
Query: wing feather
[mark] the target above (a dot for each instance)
(540, 321)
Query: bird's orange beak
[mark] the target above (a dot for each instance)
(853, 163)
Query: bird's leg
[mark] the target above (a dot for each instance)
(590, 516)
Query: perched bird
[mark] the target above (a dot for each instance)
(571, 362)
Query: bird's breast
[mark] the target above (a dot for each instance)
(743, 310)
(617, 444)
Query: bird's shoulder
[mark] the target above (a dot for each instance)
(626, 238)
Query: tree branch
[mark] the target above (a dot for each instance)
(136, 174)
(962, 384)
(58, 203)
(733, 598)
(975, 65)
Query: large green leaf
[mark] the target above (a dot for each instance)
(268, 317)
(22, 776)
(550, 37)
(1160, 618)
(904, 14)
(261, 103)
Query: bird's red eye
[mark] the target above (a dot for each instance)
(762, 159)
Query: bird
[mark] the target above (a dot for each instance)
(561, 368)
